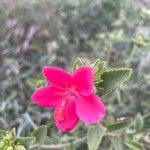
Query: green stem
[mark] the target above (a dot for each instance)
(58, 146)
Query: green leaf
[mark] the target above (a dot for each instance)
(139, 41)
(13, 132)
(117, 143)
(113, 79)
(40, 134)
(2, 133)
(35, 82)
(94, 136)
(77, 63)
(134, 145)
(118, 96)
(119, 126)
(25, 141)
(99, 68)
(138, 122)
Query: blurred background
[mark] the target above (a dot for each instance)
(45, 32)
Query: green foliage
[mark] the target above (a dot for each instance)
(99, 68)
(20, 147)
(77, 63)
(112, 79)
(25, 141)
(139, 41)
(9, 141)
(117, 143)
(105, 81)
(40, 134)
(94, 136)
(35, 82)
(119, 126)
(2, 133)
(34, 34)
(134, 145)
(138, 122)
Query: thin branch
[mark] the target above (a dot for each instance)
(58, 146)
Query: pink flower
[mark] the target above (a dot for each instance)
(71, 95)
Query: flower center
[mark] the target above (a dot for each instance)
(71, 92)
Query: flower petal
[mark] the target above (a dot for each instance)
(90, 109)
(49, 96)
(57, 76)
(83, 78)
(70, 118)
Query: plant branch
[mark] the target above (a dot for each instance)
(58, 146)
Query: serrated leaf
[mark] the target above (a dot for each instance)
(113, 79)
(99, 68)
(40, 134)
(134, 145)
(77, 63)
(25, 141)
(94, 136)
(119, 126)
(138, 122)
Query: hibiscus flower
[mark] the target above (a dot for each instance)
(71, 95)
